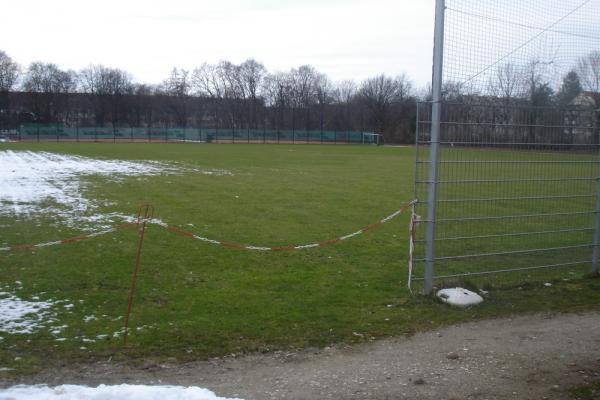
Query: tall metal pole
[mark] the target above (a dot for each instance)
(438, 55)
(596, 248)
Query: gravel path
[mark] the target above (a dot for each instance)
(530, 357)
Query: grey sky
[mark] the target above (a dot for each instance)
(346, 39)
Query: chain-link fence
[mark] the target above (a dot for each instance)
(507, 150)
(59, 132)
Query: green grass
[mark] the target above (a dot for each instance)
(586, 392)
(196, 300)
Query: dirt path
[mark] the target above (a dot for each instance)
(531, 357)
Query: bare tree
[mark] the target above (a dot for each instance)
(344, 95)
(380, 92)
(537, 84)
(106, 87)
(277, 90)
(304, 82)
(207, 82)
(101, 80)
(324, 96)
(251, 75)
(177, 89)
(588, 68)
(48, 87)
(345, 91)
(505, 86)
(48, 78)
(506, 82)
(141, 105)
(178, 83)
(9, 72)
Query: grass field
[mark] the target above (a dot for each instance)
(197, 300)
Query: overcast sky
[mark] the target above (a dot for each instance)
(346, 39)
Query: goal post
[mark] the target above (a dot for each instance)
(371, 138)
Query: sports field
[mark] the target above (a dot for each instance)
(195, 299)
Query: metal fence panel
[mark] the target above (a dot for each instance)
(507, 161)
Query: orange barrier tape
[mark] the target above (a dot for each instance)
(74, 239)
(65, 241)
(230, 245)
(180, 232)
(324, 243)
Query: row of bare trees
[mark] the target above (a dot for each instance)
(533, 83)
(530, 103)
(247, 95)
(221, 95)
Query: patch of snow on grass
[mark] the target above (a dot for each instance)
(21, 316)
(28, 179)
(105, 392)
(43, 182)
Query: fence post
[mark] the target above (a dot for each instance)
(145, 213)
(434, 156)
(293, 125)
(596, 244)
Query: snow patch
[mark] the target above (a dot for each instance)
(29, 178)
(22, 316)
(459, 297)
(106, 392)
(44, 182)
